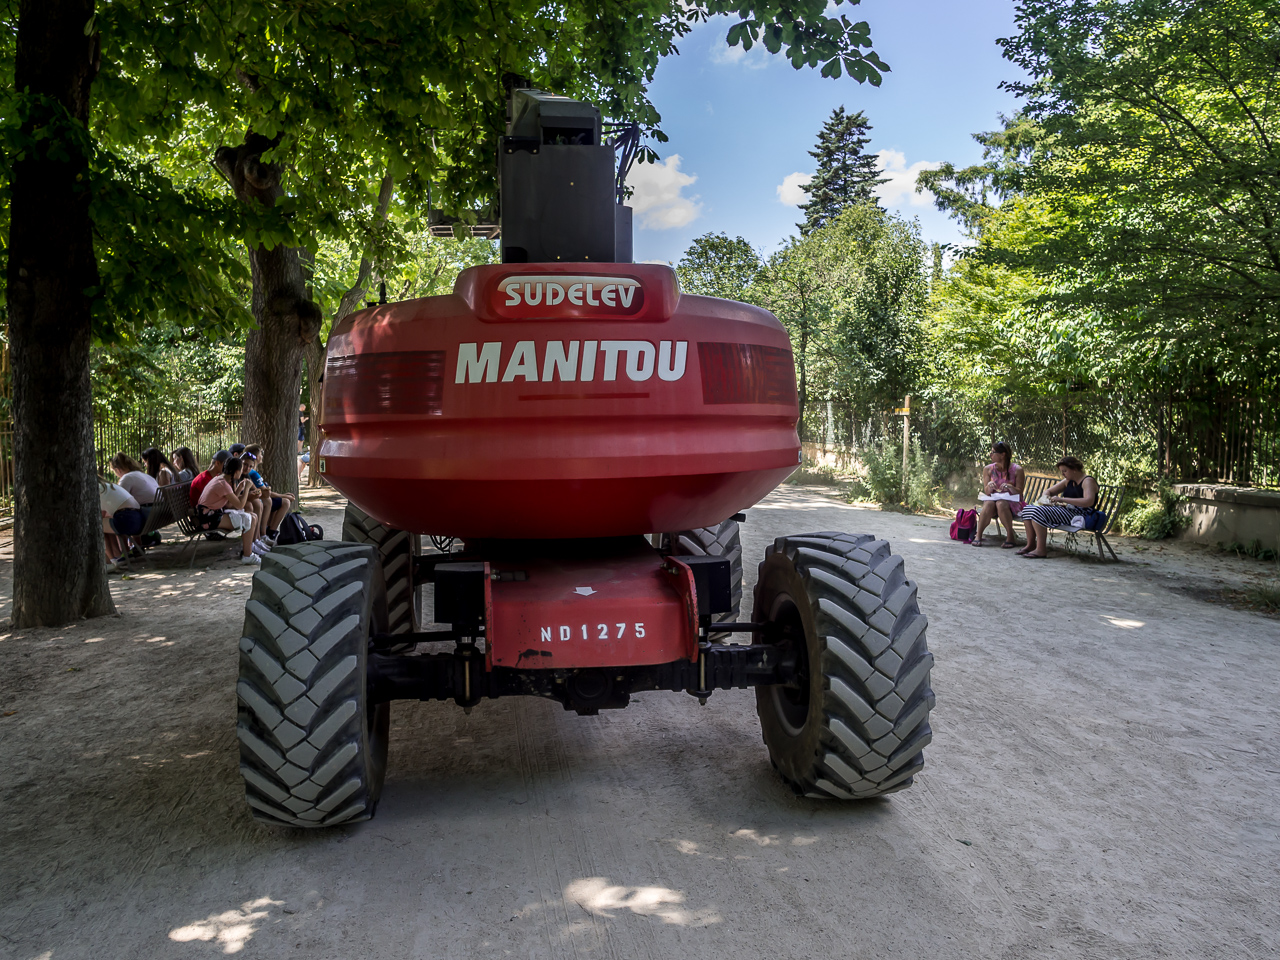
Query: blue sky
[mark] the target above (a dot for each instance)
(741, 124)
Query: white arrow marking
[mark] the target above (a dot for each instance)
(584, 591)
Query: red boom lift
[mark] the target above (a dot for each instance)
(550, 415)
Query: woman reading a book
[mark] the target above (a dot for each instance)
(1002, 484)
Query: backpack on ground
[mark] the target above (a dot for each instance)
(293, 529)
(963, 526)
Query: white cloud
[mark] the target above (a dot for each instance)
(658, 198)
(900, 187)
(789, 191)
(757, 58)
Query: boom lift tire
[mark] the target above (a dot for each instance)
(313, 751)
(397, 549)
(859, 719)
(722, 540)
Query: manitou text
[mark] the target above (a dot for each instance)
(571, 360)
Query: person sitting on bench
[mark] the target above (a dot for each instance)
(202, 480)
(1072, 496)
(222, 508)
(281, 503)
(141, 487)
(121, 519)
(1002, 484)
(186, 463)
(159, 468)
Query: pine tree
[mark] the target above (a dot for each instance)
(845, 173)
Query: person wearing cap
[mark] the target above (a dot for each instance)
(255, 502)
(281, 503)
(201, 480)
(237, 449)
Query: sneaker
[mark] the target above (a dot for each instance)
(267, 542)
(119, 561)
(136, 553)
(251, 559)
(259, 548)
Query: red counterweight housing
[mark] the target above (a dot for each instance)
(556, 400)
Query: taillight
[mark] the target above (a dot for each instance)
(407, 381)
(746, 373)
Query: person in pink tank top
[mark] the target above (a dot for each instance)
(1001, 476)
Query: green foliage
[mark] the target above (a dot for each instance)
(1145, 147)
(1158, 517)
(167, 369)
(715, 266)
(846, 174)
(350, 93)
(410, 261)
(880, 477)
(1265, 596)
(853, 296)
(1253, 549)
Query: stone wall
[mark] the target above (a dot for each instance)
(1223, 514)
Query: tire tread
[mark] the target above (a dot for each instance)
(875, 661)
(300, 723)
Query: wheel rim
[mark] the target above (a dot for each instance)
(791, 701)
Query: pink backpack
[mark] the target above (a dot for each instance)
(963, 526)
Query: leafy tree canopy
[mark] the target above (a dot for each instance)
(715, 266)
(346, 94)
(846, 172)
(1147, 144)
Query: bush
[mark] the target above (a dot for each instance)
(1264, 597)
(880, 479)
(1253, 549)
(1157, 517)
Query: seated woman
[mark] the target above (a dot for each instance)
(121, 519)
(186, 464)
(221, 507)
(1072, 496)
(1002, 484)
(140, 485)
(159, 468)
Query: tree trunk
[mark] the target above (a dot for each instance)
(59, 567)
(287, 319)
(315, 353)
(803, 385)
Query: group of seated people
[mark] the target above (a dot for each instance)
(231, 495)
(1003, 484)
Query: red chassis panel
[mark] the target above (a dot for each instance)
(502, 411)
(614, 612)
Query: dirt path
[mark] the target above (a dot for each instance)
(1103, 783)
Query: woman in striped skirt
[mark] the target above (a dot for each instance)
(1072, 496)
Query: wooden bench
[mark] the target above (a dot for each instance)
(1110, 500)
(177, 497)
(161, 514)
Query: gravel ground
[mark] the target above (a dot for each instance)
(1102, 783)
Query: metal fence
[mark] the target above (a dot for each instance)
(204, 430)
(201, 429)
(178, 423)
(1121, 437)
